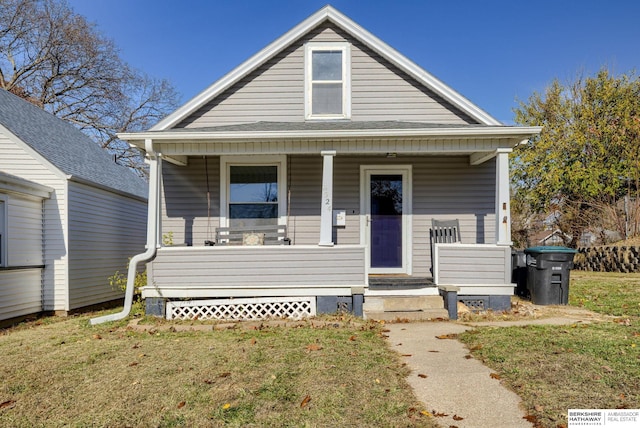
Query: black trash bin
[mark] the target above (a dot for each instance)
(548, 274)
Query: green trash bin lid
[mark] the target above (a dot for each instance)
(549, 249)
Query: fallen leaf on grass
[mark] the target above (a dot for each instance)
(422, 375)
(457, 418)
(439, 414)
(226, 406)
(305, 401)
(425, 413)
(313, 347)
(447, 336)
(7, 403)
(607, 369)
(353, 338)
(476, 348)
(531, 418)
(133, 364)
(538, 408)
(224, 374)
(181, 404)
(253, 341)
(495, 376)
(97, 336)
(377, 380)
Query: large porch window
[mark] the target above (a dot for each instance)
(252, 191)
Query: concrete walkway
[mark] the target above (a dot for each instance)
(454, 385)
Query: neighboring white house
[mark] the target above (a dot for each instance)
(70, 217)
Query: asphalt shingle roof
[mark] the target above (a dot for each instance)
(66, 147)
(337, 125)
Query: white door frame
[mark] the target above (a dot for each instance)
(365, 207)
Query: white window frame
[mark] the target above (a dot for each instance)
(345, 48)
(4, 229)
(226, 162)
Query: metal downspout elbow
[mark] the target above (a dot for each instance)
(153, 209)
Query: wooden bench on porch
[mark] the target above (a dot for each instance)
(251, 235)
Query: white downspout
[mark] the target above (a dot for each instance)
(153, 230)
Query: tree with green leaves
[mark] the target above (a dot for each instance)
(54, 58)
(585, 165)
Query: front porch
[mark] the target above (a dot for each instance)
(279, 280)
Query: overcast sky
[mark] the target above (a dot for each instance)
(492, 52)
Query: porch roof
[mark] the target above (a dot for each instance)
(479, 142)
(332, 131)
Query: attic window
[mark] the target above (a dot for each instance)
(328, 81)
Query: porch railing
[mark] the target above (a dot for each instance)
(252, 271)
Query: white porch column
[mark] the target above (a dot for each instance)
(326, 209)
(503, 207)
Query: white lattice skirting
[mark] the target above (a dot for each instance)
(243, 309)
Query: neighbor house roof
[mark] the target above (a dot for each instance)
(66, 147)
(330, 14)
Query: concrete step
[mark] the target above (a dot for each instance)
(402, 303)
(410, 308)
(424, 315)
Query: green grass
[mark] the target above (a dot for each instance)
(607, 293)
(66, 373)
(556, 368)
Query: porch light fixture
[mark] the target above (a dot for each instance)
(392, 155)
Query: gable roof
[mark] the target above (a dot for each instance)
(66, 147)
(327, 13)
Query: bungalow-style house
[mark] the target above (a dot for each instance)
(69, 215)
(306, 180)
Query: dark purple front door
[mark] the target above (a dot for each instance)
(386, 220)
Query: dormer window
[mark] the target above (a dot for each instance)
(328, 81)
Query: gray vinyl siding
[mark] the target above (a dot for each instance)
(185, 213)
(105, 230)
(263, 267)
(21, 290)
(443, 188)
(275, 91)
(23, 163)
(483, 265)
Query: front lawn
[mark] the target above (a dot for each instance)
(62, 372)
(581, 366)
